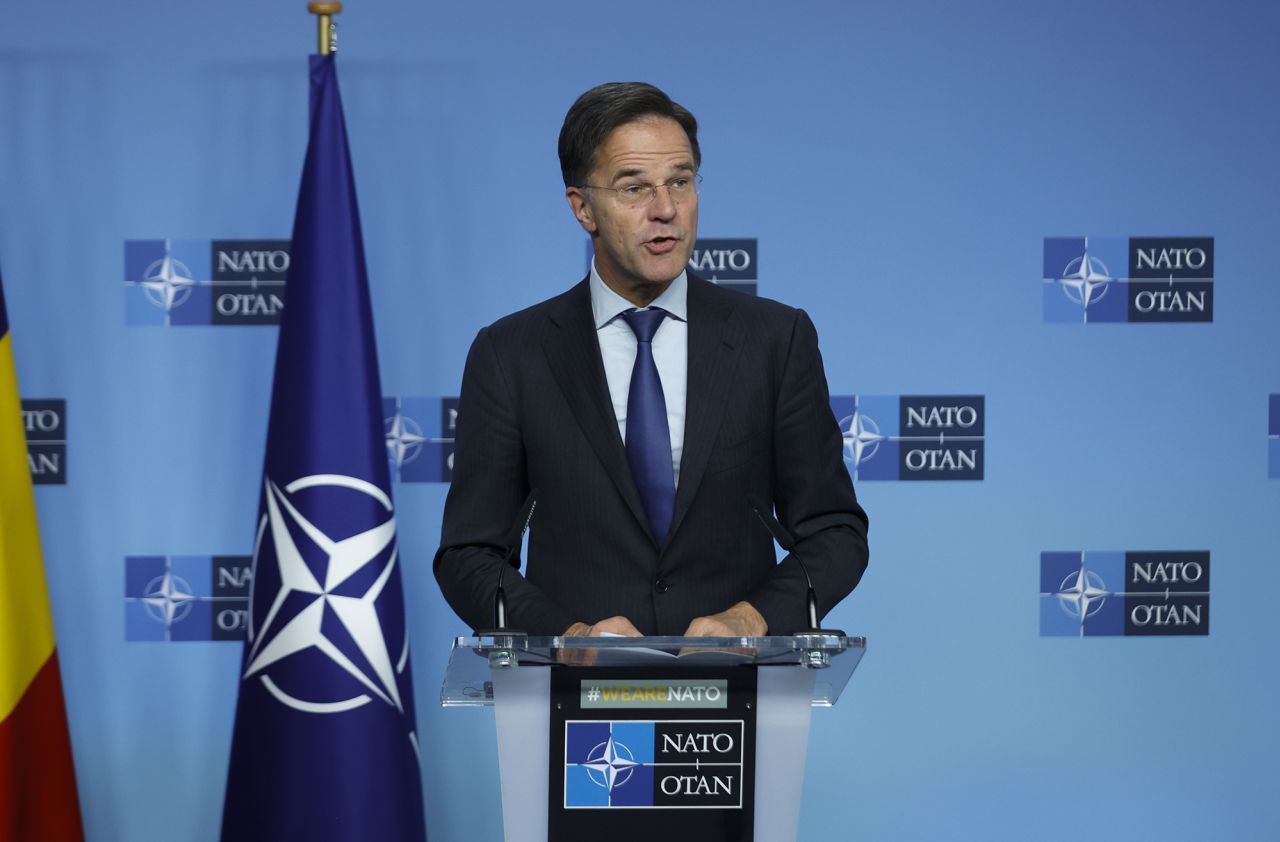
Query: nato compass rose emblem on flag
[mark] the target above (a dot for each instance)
(318, 637)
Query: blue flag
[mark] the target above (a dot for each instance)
(325, 746)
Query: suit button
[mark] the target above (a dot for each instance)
(661, 586)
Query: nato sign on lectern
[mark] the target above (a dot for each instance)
(651, 737)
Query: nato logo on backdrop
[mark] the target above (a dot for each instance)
(1138, 279)
(1273, 437)
(419, 436)
(912, 437)
(1124, 594)
(204, 282)
(186, 597)
(45, 425)
(731, 263)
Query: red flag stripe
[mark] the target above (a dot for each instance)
(37, 780)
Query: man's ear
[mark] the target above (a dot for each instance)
(581, 209)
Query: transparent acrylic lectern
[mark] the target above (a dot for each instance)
(513, 673)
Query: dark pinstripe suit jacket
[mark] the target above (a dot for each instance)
(535, 413)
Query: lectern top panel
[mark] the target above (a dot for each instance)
(468, 679)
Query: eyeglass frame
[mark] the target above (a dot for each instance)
(696, 178)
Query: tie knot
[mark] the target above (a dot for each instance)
(644, 323)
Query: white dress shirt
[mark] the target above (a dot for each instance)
(670, 352)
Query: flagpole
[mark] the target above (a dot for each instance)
(328, 30)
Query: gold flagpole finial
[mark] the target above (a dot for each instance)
(324, 13)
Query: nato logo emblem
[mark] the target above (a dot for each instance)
(608, 764)
(419, 434)
(1087, 594)
(45, 424)
(204, 282)
(325, 632)
(912, 437)
(730, 263)
(1273, 437)
(1139, 279)
(671, 764)
(186, 597)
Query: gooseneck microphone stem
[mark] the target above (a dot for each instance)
(514, 537)
(788, 543)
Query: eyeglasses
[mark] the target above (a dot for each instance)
(638, 195)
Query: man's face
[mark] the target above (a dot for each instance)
(639, 250)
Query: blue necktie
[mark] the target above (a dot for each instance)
(648, 434)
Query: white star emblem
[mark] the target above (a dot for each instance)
(168, 598)
(167, 282)
(612, 762)
(1082, 594)
(404, 439)
(861, 437)
(1085, 280)
(284, 633)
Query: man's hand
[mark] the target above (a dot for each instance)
(612, 625)
(742, 620)
(587, 657)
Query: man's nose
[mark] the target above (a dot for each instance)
(663, 205)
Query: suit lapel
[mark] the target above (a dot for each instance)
(714, 343)
(573, 351)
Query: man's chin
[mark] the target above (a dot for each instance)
(651, 275)
(661, 279)
(668, 269)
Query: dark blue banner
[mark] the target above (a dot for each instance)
(325, 745)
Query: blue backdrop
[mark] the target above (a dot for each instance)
(899, 166)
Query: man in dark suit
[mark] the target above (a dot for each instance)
(654, 413)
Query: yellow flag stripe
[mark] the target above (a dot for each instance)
(26, 626)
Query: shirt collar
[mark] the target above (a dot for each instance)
(607, 305)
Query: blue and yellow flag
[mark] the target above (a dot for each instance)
(325, 745)
(37, 781)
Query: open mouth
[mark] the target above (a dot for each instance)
(661, 245)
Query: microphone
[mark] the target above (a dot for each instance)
(512, 558)
(788, 543)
